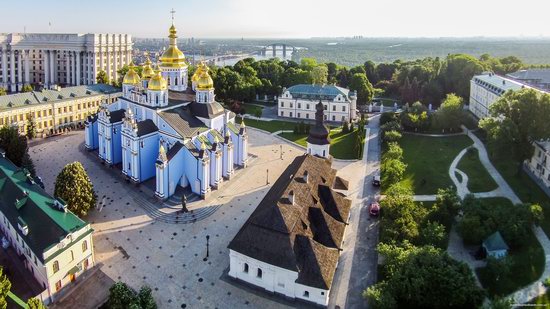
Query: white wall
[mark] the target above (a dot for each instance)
(274, 279)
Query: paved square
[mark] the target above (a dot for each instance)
(169, 257)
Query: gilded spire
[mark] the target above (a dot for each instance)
(173, 57)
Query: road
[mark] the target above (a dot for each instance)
(358, 262)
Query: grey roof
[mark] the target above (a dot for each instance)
(145, 127)
(495, 242)
(117, 115)
(545, 145)
(181, 120)
(541, 76)
(304, 236)
(49, 96)
(497, 84)
(318, 92)
(206, 110)
(192, 148)
(174, 150)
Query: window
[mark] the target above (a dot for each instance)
(290, 114)
(245, 268)
(343, 118)
(58, 285)
(299, 115)
(333, 118)
(299, 105)
(291, 104)
(322, 293)
(307, 116)
(282, 104)
(84, 246)
(325, 107)
(343, 108)
(307, 106)
(333, 108)
(259, 274)
(55, 266)
(306, 294)
(282, 114)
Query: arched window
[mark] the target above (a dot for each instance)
(176, 81)
(84, 246)
(55, 266)
(245, 268)
(259, 274)
(157, 99)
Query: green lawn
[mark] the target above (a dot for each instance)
(479, 179)
(252, 109)
(270, 126)
(525, 188)
(544, 299)
(342, 145)
(527, 264)
(428, 160)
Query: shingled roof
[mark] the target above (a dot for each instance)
(302, 232)
(181, 120)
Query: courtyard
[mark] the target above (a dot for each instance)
(171, 258)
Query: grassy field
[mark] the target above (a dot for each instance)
(543, 300)
(342, 145)
(479, 179)
(527, 265)
(270, 126)
(428, 160)
(252, 109)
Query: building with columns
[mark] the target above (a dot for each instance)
(159, 129)
(49, 59)
(298, 101)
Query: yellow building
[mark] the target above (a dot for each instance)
(54, 109)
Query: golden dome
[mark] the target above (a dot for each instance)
(205, 81)
(148, 71)
(157, 82)
(173, 57)
(131, 77)
(200, 69)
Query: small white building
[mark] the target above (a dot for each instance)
(318, 141)
(340, 104)
(539, 165)
(291, 243)
(56, 246)
(487, 88)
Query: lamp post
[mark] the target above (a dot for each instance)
(207, 239)
(281, 151)
(267, 177)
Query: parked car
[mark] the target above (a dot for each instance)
(376, 181)
(374, 209)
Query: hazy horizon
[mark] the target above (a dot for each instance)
(289, 19)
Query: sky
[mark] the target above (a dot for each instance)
(281, 18)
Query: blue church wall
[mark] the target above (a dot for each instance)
(148, 156)
(92, 139)
(176, 168)
(116, 143)
(191, 164)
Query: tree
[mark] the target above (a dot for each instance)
(458, 71)
(394, 151)
(31, 128)
(446, 206)
(363, 87)
(498, 269)
(74, 186)
(423, 277)
(121, 296)
(451, 114)
(391, 136)
(433, 234)
(27, 88)
(5, 286)
(102, 77)
(146, 299)
(3, 91)
(537, 214)
(370, 71)
(400, 216)
(518, 119)
(35, 303)
(319, 75)
(392, 171)
(14, 144)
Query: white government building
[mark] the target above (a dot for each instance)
(298, 101)
(51, 59)
(487, 88)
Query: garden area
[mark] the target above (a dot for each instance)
(269, 126)
(479, 180)
(428, 159)
(524, 263)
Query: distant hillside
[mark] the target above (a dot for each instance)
(353, 52)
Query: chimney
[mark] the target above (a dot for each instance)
(503, 82)
(306, 176)
(291, 197)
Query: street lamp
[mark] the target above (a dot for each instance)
(207, 238)
(267, 177)
(281, 151)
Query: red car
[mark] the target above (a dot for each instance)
(374, 209)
